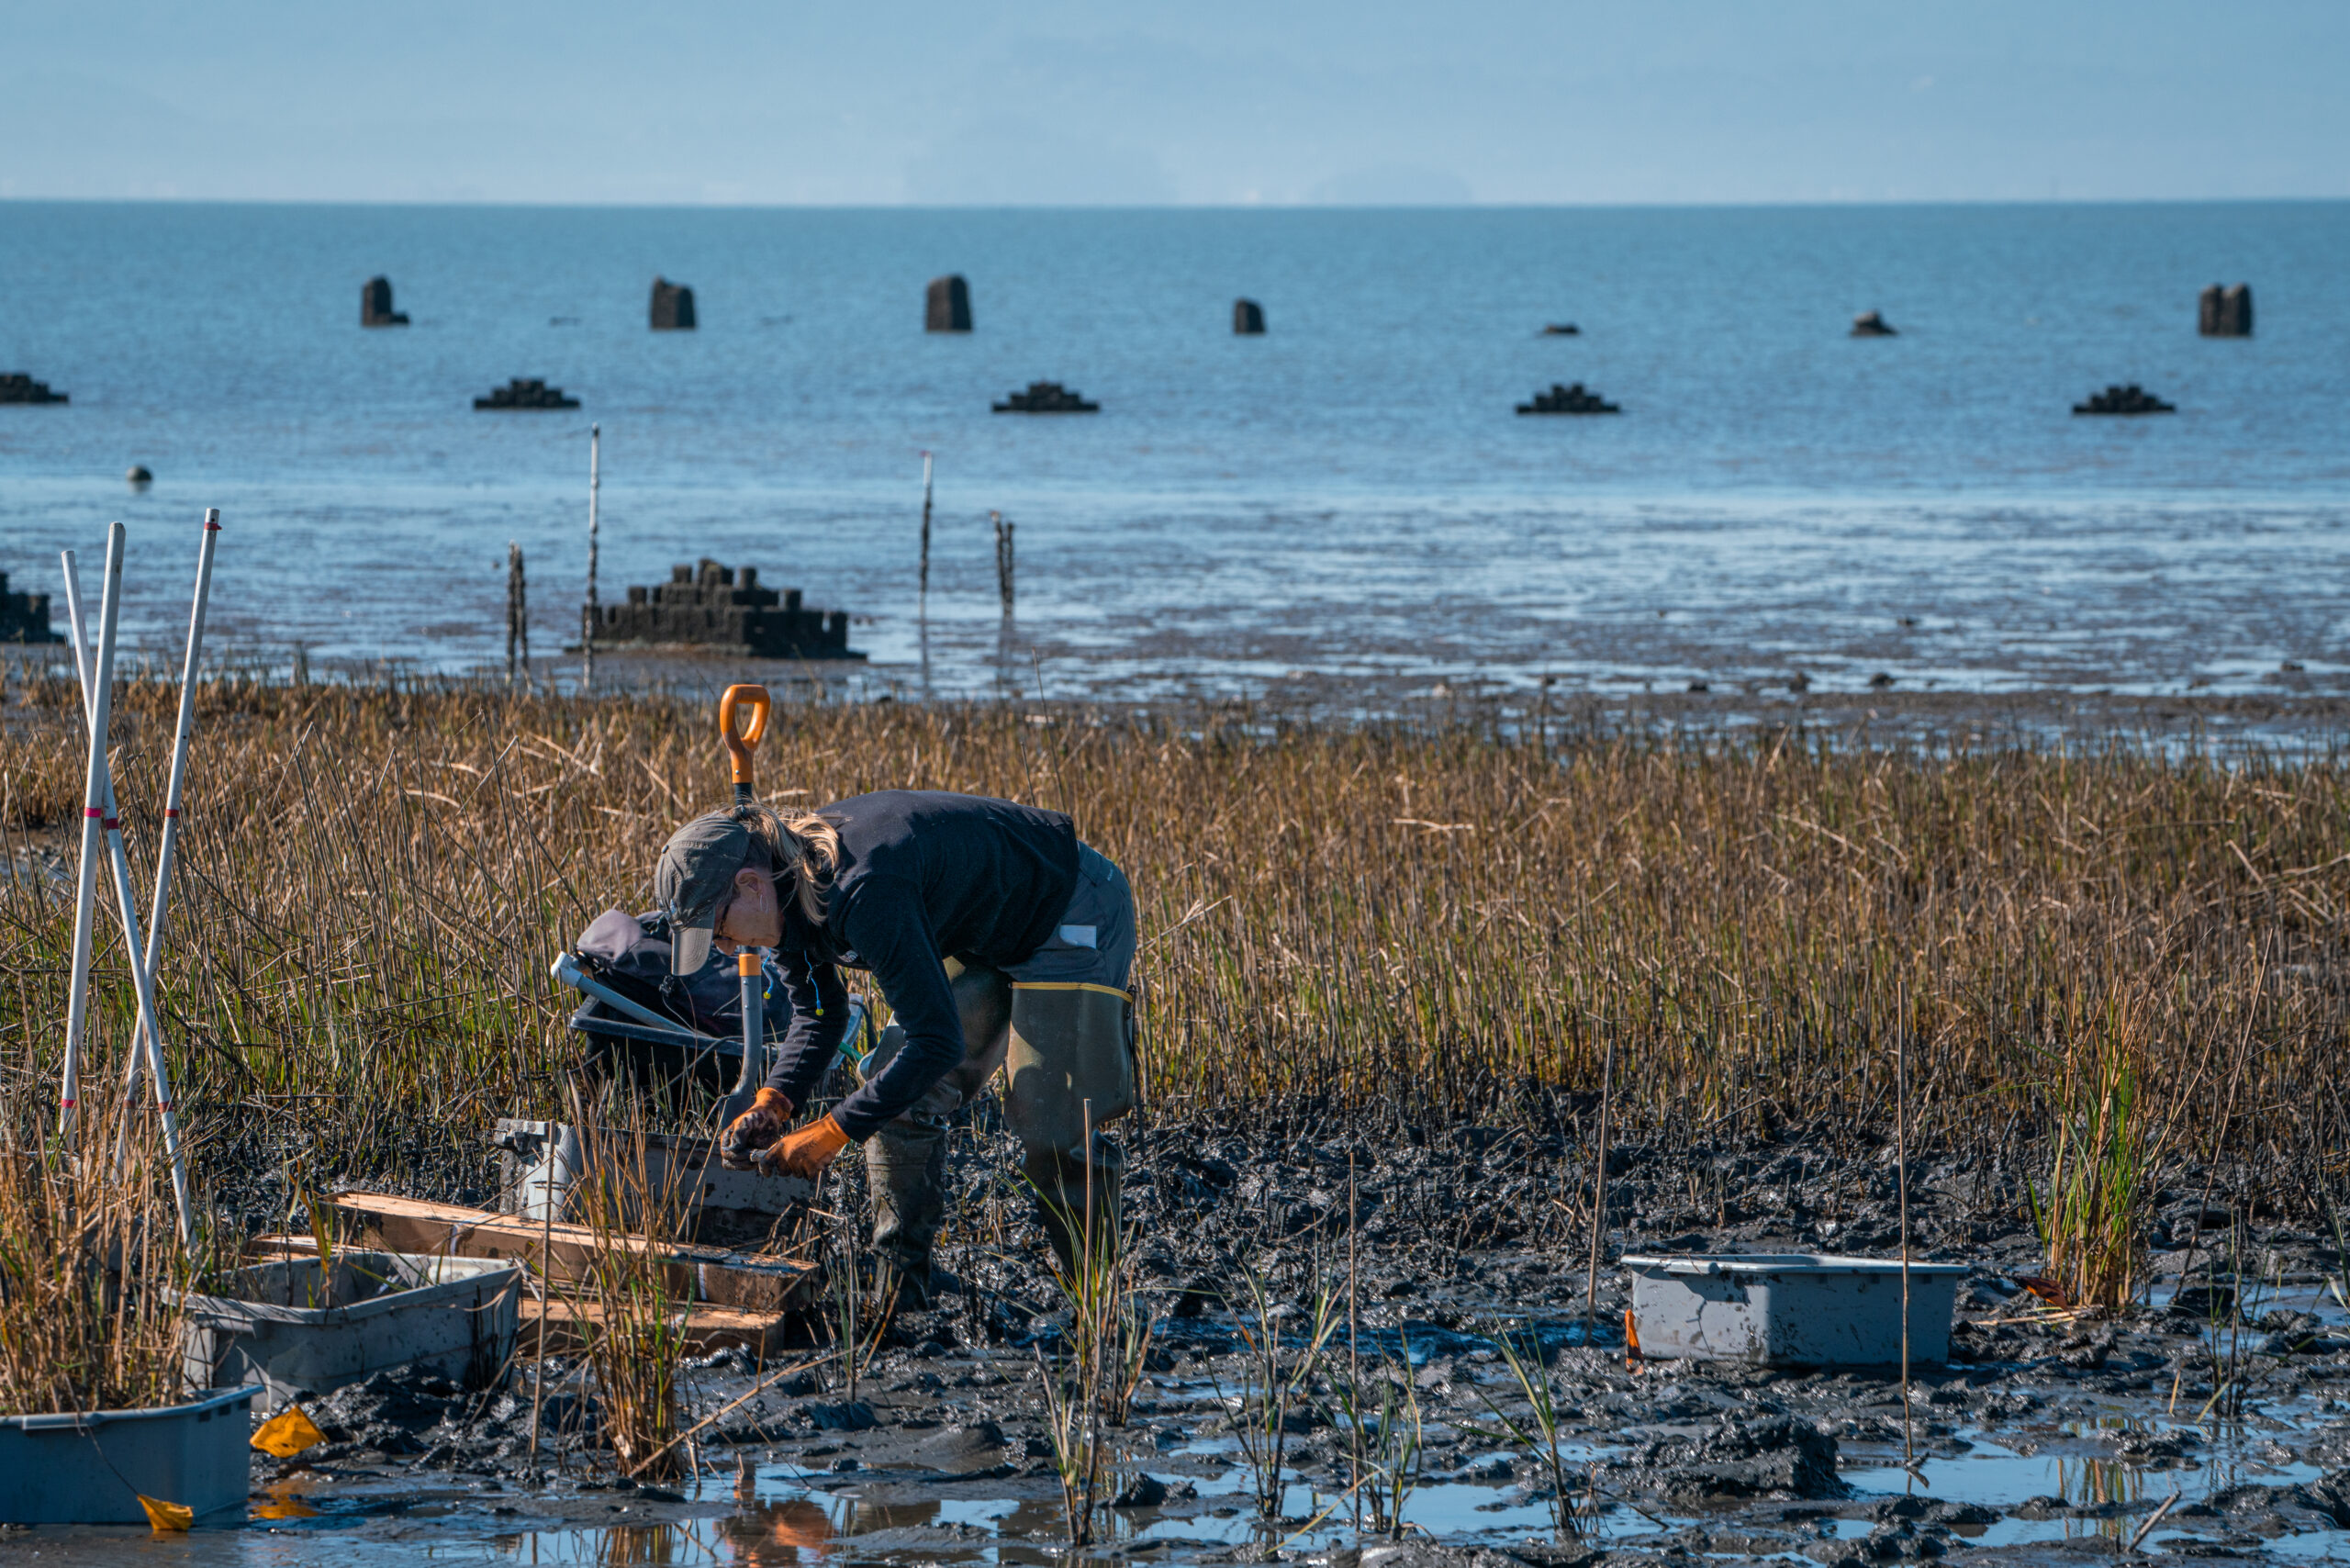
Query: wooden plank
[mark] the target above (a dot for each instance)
(563, 1253)
(707, 1328)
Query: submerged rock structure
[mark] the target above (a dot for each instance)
(1247, 319)
(16, 387)
(519, 393)
(2131, 399)
(375, 305)
(946, 305)
(2225, 312)
(1046, 398)
(673, 306)
(711, 605)
(1873, 324)
(1568, 400)
(24, 617)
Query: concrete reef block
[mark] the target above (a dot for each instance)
(375, 305)
(16, 387)
(1247, 319)
(673, 307)
(519, 393)
(946, 305)
(1872, 324)
(2129, 399)
(708, 605)
(1046, 398)
(2225, 312)
(1568, 400)
(24, 617)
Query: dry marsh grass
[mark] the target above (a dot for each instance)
(1423, 925)
(90, 1261)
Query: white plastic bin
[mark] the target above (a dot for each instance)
(90, 1470)
(1807, 1309)
(278, 1326)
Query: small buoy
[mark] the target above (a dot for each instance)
(139, 474)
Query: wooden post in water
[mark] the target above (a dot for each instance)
(1002, 560)
(518, 626)
(587, 612)
(925, 581)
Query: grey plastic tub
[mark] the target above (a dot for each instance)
(1807, 1309)
(89, 1470)
(277, 1325)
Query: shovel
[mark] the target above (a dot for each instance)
(751, 704)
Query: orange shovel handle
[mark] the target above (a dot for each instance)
(739, 701)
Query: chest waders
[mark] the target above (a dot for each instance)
(1070, 1069)
(1061, 1045)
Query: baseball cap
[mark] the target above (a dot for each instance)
(694, 880)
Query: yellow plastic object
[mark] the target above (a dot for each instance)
(166, 1516)
(287, 1433)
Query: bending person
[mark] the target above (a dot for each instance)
(999, 940)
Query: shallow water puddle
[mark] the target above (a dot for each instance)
(791, 1516)
(2066, 1469)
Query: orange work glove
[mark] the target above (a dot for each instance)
(807, 1151)
(748, 1135)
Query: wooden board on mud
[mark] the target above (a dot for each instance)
(563, 1253)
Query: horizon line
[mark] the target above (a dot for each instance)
(1658, 206)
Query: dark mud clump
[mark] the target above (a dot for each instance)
(1776, 1457)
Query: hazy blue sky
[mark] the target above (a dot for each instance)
(1276, 101)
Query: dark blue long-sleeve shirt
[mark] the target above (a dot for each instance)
(924, 875)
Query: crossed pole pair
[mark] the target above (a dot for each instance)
(102, 841)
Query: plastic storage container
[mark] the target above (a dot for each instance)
(279, 1325)
(1804, 1309)
(90, 1470)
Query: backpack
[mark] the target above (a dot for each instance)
(631, 953)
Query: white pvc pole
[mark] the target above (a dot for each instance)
(161, 906)
(94, 813)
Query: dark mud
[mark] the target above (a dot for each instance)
(2049, 1438)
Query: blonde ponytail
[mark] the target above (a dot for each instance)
(804, 847)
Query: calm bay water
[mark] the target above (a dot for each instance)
(1350, 496)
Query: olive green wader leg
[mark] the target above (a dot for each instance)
(1070, 1069)
(905, 1162)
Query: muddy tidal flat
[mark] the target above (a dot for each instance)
(2213, 1422)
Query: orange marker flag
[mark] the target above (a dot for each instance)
(287, 1433)
(166, 1516)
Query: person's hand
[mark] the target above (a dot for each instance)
(807, 1151)
(748, 1135)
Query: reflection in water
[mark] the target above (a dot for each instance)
(666, 1545)
(795, 1531)
(284, 1503)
